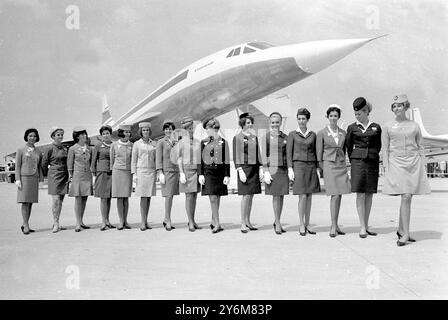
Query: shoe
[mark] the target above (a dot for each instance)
(78, 229)
(302, 233)
(24, 232)
(126, 226)
(340, 232)
(275, 230)
(196, 226)
(309, 231)
(55, 229)
(400, 244)
(31, 230)
(103, 228)
(191, 229)
(143, 229)
(148, 227)
(111, 226)
(244, 230)
(212, 226)
(283, 230)
(218, 230)
(410, 239)
(251, 228)
(166, 228)
(120, 228)
(370, 233)
(332, 235)
(84, 226)
(364, 235)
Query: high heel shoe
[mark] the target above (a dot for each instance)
(23, 230)
(309, 231)
(302, 233)
(283, 230)
(332, 235)
(120, 227)
(217, 230)
(148, 227)
(191, 229)
(212, 226)
(31, 230)
(166, 228)
(84, 226)
(196, 226)
(400, 236)
(275, 229)
(400, 244)
(363, 235)
(251, 228)
(126, 226)
(370, 233)
(111, 226)
(104, 228)
(340, 232)
(78, 229)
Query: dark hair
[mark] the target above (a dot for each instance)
(303, 112)
(406, 105)
(140, 131)
(275, 113)
(167, 125)
(120, 133)
(212, 123)
(104, 128)
(76, 135)
(331, 109)
(28, 131)
(242, 121)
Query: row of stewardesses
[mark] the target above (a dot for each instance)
(296, 157)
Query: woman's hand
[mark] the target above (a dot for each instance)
(291, 174)
(242, 175)
(267, 177)
(261, 174)
(201, 180)
(19, 184)
(226, 180)
(182, 178)
(162, 178)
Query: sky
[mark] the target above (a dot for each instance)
(54, 74)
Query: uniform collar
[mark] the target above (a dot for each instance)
(363, 129)
(303, 134)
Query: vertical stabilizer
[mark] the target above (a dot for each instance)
(416, 116)
(106, 118)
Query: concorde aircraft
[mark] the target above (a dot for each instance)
(231, 78)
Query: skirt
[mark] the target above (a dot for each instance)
(103, 185)
(252, 184)
(146, 183)
(406, 174)
(214, 185)
(192, 184)
(280, 182)
(121, 183)
(81, 185)
(171, 185)
(305, 178)
(57, 182)
(364, 175)
(29, 193)
(336, 178)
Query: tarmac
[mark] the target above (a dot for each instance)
(156, 264)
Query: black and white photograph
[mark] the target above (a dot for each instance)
(223, 150)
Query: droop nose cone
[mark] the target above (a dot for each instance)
(314, 56)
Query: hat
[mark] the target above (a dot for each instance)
(334, 105)
(167, 121)
(211, 123)
(359, 103)
(144, 125)
(186, 121)
(54, 129)
(400, 98)
(79, 129)
(244, 115)
(124, 127)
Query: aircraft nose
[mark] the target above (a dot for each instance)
(314, 56)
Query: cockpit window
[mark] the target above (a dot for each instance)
(261, 45)
(230, 53)
(237, 51)
(248, 50)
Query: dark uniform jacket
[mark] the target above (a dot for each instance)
(166, 155)
(54, 158)
(101, 158)
(215, 157)
(246, 150)
(363, 145)
(300, 148)
(274, 150)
